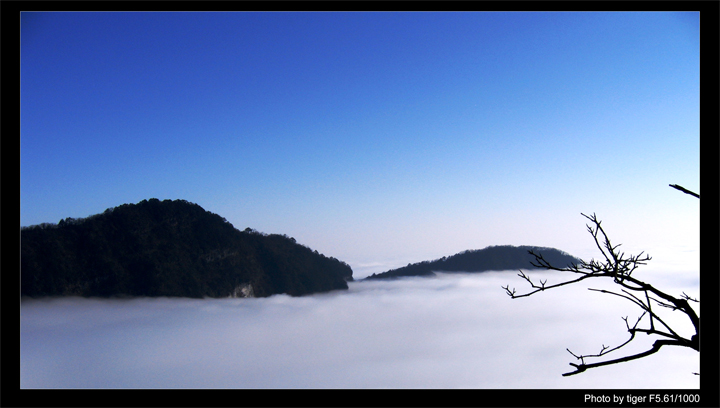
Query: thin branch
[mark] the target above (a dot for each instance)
(646, 308)
(649, 305)
(684, 190)
(543, 286)
(579, 368)
(636, 301)
(605, 349)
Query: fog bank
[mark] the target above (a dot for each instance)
(452, 331)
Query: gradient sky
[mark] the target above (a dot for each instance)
(376, 138)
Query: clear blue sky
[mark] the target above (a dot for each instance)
(376, 138)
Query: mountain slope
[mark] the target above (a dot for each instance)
(168, 248)
(493, 258)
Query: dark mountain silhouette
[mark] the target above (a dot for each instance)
(168, 248)
(493, 258)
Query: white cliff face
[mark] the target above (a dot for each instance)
(245, 290)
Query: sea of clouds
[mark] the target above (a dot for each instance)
(451, 331)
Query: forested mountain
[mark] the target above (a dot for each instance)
(168, 248)
(493, 258)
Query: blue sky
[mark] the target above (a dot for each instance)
(376, 138)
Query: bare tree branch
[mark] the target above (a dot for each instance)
(684, 190)
(579, 368)
(619, 268)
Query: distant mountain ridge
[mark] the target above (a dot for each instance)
(169, 248)
(492, 258)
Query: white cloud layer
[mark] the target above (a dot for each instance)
(453, 331)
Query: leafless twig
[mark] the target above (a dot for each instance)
(684, 190)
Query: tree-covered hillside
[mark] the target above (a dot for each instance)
(168, 248)
(493, 258)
